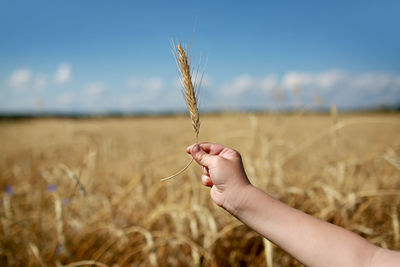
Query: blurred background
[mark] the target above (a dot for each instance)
(100, 57)
(85, 190)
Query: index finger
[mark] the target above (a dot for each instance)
(209, 148)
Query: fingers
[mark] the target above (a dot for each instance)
(206, 180)
(210, 148)
(201, 156)
(204, 153)
(205, 171)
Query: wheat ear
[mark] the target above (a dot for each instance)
(189, 93)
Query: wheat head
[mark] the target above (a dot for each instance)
(189, 90)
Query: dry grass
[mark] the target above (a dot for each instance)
(87, 192)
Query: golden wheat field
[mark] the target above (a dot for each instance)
(86, 192)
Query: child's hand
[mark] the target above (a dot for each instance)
(310, 240)
(222, 171)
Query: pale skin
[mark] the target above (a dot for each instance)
(310, 240)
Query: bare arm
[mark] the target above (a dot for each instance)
(312, 241)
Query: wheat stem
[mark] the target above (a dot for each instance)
(179, 172)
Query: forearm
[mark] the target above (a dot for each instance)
(308, 239)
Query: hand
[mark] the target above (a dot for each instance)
(223, 171)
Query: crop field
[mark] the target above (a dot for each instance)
(86, 192)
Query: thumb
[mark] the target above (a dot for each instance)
(200, 156)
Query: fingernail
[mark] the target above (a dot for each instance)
(196, 148)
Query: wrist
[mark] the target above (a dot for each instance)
(239, 199)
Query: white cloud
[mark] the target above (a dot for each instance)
(344, 89)
(94, 89)
(145, 91)
(153, 84)
(151, 94)
(332, 80)
(250, 84)
(25, 79)
(323, 80)
(238, 86)
(328, 79)
(348, 89)
(373, 82)
(126, 101)
(269, 83)
(40, 82)
(65, 98)
(242, 84)
(294, 79)
(63, 74)
(20, 79)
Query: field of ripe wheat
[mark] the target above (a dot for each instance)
(86, 192)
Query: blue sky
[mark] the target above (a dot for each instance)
(98, 56)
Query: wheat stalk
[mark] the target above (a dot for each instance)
(190, 96)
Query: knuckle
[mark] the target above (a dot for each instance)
(201, 156)
(237, 155)
(203, 179)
